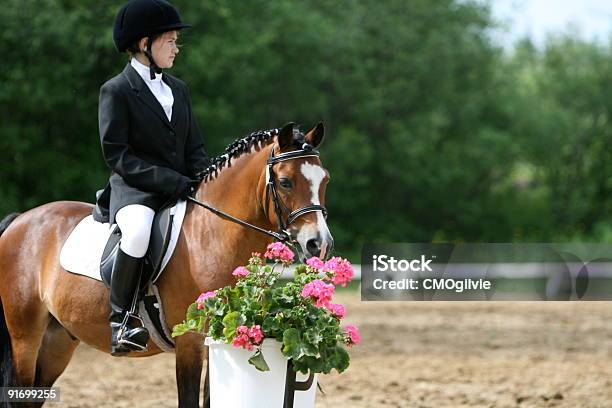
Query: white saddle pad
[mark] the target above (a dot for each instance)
(82, 251)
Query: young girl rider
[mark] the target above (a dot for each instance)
(152, 144)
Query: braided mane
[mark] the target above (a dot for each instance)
(240, 146)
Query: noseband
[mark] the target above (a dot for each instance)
(271, 191)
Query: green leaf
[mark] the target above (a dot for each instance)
(313, 336)
(308, 364)
(215, 329)
(266, 299)
(179, 329)
(295, 347)
(235, 298)
(300, 269)
(193, 312)
(253, 304)
(270, 324)
(339, 359)
(259, 361)
(219, 309)
(292, 344)
(230, 322)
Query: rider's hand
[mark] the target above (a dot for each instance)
(185, 187)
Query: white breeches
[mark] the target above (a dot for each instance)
(135, 222)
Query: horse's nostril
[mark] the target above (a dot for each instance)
(313, 246)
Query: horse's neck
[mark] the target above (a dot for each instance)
(238, 188)
(215, 242)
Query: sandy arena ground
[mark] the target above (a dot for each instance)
(414, 354)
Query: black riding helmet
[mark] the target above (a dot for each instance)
(145, 18)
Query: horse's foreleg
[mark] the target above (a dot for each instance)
(190, 353)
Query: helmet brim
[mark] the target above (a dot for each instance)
(171, 27)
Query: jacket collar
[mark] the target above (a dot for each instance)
(144, 93)
(144, 71)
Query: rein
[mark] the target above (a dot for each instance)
(271, 191)
(281, 235)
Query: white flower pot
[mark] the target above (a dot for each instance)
(235, 383)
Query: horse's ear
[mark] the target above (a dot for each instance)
(315, 136)
(285, 136)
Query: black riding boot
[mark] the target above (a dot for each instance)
(127, 334)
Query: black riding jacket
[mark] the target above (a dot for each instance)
(146, 153)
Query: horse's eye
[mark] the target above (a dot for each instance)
(285, 182)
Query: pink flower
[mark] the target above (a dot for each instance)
(279, 251)
(353, 335)
(320, 291)
(337, 310)
(341, 269)
(315, 263)
(242, 338)
(256, 334)
(202, 298)
(240, 271)
(247, 338)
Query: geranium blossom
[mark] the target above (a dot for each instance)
(320, 291)
(240, 271)
(341, 269)
(279, 251)
(247, 338)
(337, 310)
(315, 263)
(353, 335)
(256, 259)
(242, 338)
(202, 298)
(256, 334)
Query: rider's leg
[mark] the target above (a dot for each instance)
(135, 222)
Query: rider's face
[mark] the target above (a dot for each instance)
(164, 48)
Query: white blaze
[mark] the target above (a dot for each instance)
(315, 174)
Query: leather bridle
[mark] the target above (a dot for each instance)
(271, 191)
(279, 205)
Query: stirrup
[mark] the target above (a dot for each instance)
(131, 346)
(130, 315)
(125, 345)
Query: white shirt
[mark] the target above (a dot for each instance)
(159, 88)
